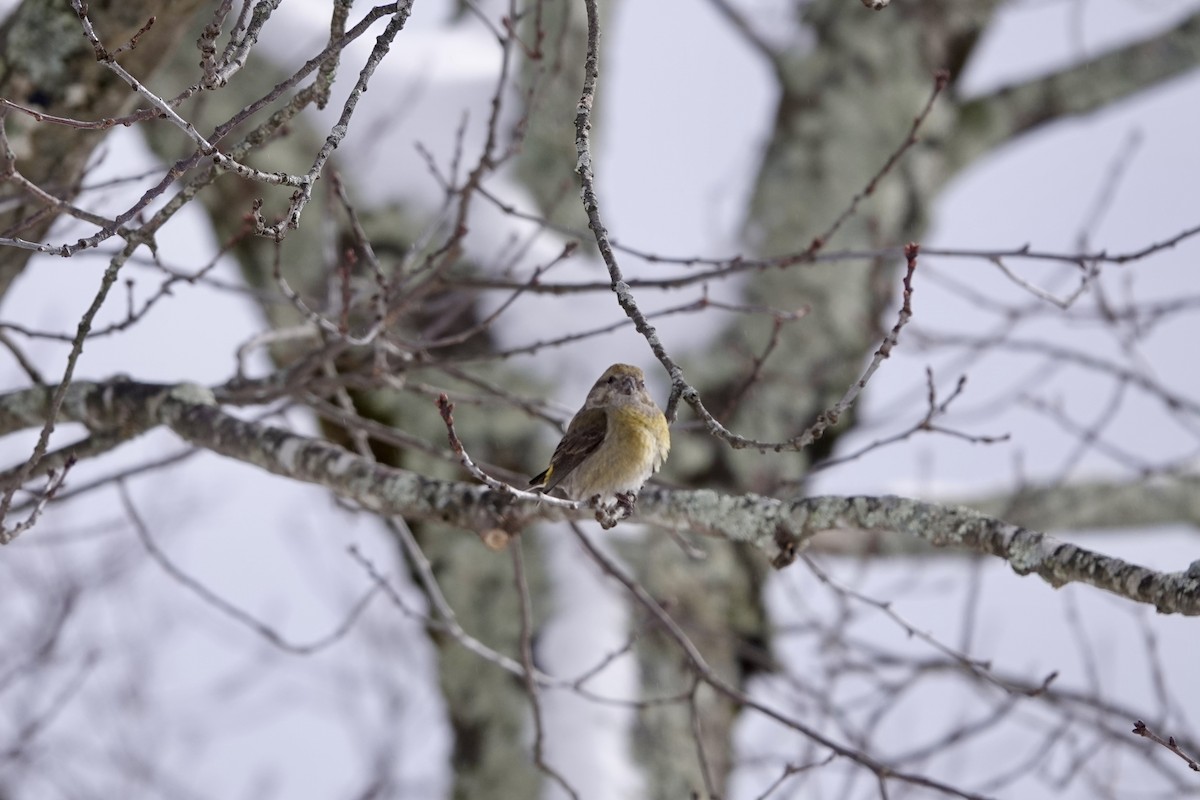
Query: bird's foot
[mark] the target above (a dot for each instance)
(609, 514)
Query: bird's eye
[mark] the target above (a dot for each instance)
(641, 384)
(612, 378)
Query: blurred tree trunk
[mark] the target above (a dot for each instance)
(489, 709)
(846, 102)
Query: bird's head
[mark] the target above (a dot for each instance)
(619, 383)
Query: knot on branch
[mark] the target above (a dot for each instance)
(789, 545)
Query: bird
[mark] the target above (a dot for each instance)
(615, 442)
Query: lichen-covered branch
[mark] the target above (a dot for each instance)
(777, 528)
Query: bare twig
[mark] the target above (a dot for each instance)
(531, 687)
(447, 408)
(1141, 729)
(228, 609)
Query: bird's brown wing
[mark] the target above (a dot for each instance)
(584, 435)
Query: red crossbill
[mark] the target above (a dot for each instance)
(613, 444)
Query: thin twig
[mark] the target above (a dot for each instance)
(531, 687)
(225, 607)
(1141, 729)
(447, 408)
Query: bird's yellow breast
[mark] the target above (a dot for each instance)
(642, 432)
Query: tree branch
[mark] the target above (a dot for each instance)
(779, 529)
(1095, 84)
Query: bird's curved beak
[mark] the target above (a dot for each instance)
(628, 384)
